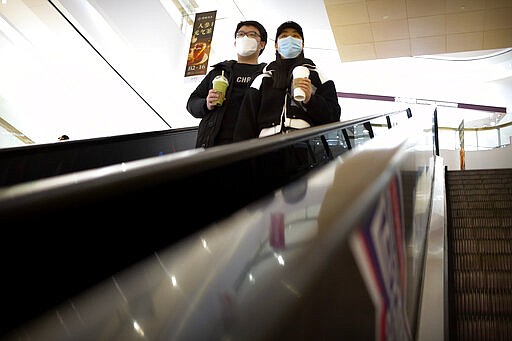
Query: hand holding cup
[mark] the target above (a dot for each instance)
(220, 85)
(299, 73)
(212, 99)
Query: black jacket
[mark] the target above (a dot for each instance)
(196, 105)
(263, 104)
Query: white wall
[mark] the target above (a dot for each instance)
(485, 159)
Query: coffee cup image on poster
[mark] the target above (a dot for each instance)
(198, 53)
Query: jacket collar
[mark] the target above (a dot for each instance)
(305, 62)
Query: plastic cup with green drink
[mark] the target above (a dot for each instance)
(220, 85)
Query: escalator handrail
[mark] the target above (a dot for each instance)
(165, 167)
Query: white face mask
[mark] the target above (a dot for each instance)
(246, 46)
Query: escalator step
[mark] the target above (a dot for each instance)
(483, 213)
(478, 262)
(482, 246)
(476, 328)
(479, 280)
(463, 222)
(484, 303)
(480, 254)
(487, 233)
(478, 204)
(463, 195)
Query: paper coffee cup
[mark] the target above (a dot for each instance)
(299, 72)
(220, 84)
(299, 94)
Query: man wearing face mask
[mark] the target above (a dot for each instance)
(218, 121)
(269, 107)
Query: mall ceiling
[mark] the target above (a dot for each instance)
(376, 29)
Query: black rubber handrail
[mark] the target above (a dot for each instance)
(81, 228)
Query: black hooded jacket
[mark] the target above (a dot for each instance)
(263, 105)
(212, 121)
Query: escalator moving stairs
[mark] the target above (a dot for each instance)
(479, 206)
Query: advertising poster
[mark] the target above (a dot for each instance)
(462, 152)
(200, 43)
(379, 249)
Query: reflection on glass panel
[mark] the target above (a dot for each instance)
(361, 135)
(397, 119)
(452, 117)
(448, 139)
(379, 126)
(487, 139)
(506, 136)
(362, 132)
(470, 140)
(336, 142)
(483, 130)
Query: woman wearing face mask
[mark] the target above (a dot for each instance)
(218, 121)
(269, 107)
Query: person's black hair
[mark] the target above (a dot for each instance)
(263, 32)
(290, 24)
